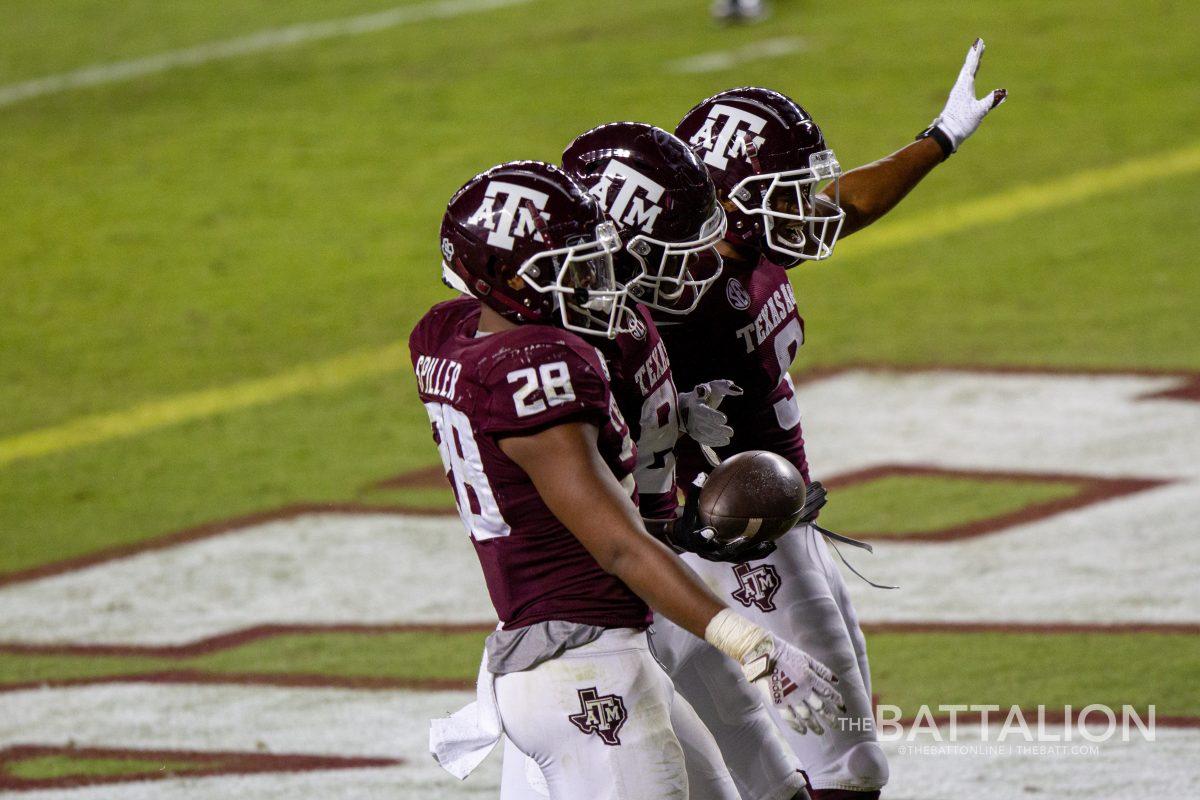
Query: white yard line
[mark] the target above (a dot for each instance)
(725, 59)
(262, 41)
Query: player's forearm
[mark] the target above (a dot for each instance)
(594, 507)
(668, 585)
(582, 492)
(872, 190)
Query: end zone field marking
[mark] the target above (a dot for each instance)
(1089, 489)
(271, 39)
(209, 530)
(347, 369)
(724, 59)
(201, 764)
(291, 680)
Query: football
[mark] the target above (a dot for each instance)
(755, 494)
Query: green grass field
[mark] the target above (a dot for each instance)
(231, 221)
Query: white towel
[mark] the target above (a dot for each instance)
(463, 740)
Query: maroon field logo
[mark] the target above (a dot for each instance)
(757, 586)
(601, 715)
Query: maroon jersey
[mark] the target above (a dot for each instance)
(480, 389)
(746, 329)
(645, 392)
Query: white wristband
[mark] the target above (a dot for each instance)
(734, 635)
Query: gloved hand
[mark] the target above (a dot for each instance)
(801, 687)
(698, 414)
(964, 113)
(686, 533)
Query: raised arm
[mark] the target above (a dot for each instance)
(868, 192)
(579, 488)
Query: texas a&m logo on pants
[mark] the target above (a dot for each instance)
(602, 715)
(756, 586)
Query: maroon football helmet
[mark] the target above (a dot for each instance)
(530, 243)
(769, 159)
(664, 205)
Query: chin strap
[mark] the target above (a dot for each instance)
(834, 538)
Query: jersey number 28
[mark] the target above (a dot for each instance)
(464, 466)
(554, 382)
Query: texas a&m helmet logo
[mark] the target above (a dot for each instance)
(633, 205)
(757, 586)
(515, 217)
(603, 715)
(727, 133)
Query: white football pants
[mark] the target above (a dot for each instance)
(762, 765)
(602, 722)
(798, 593)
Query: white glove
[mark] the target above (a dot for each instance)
(698, 414)
(964, 113)
(795, 683)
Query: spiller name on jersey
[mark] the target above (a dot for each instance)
(757, 586)
(775, 312)
(437, 376)
(603, 715)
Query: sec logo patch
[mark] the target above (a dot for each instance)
(737, 295)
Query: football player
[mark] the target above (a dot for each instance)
(541, 462)
(664, 205)
(788, 201)
(665, 208)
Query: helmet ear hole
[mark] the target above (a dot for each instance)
(490, 266)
